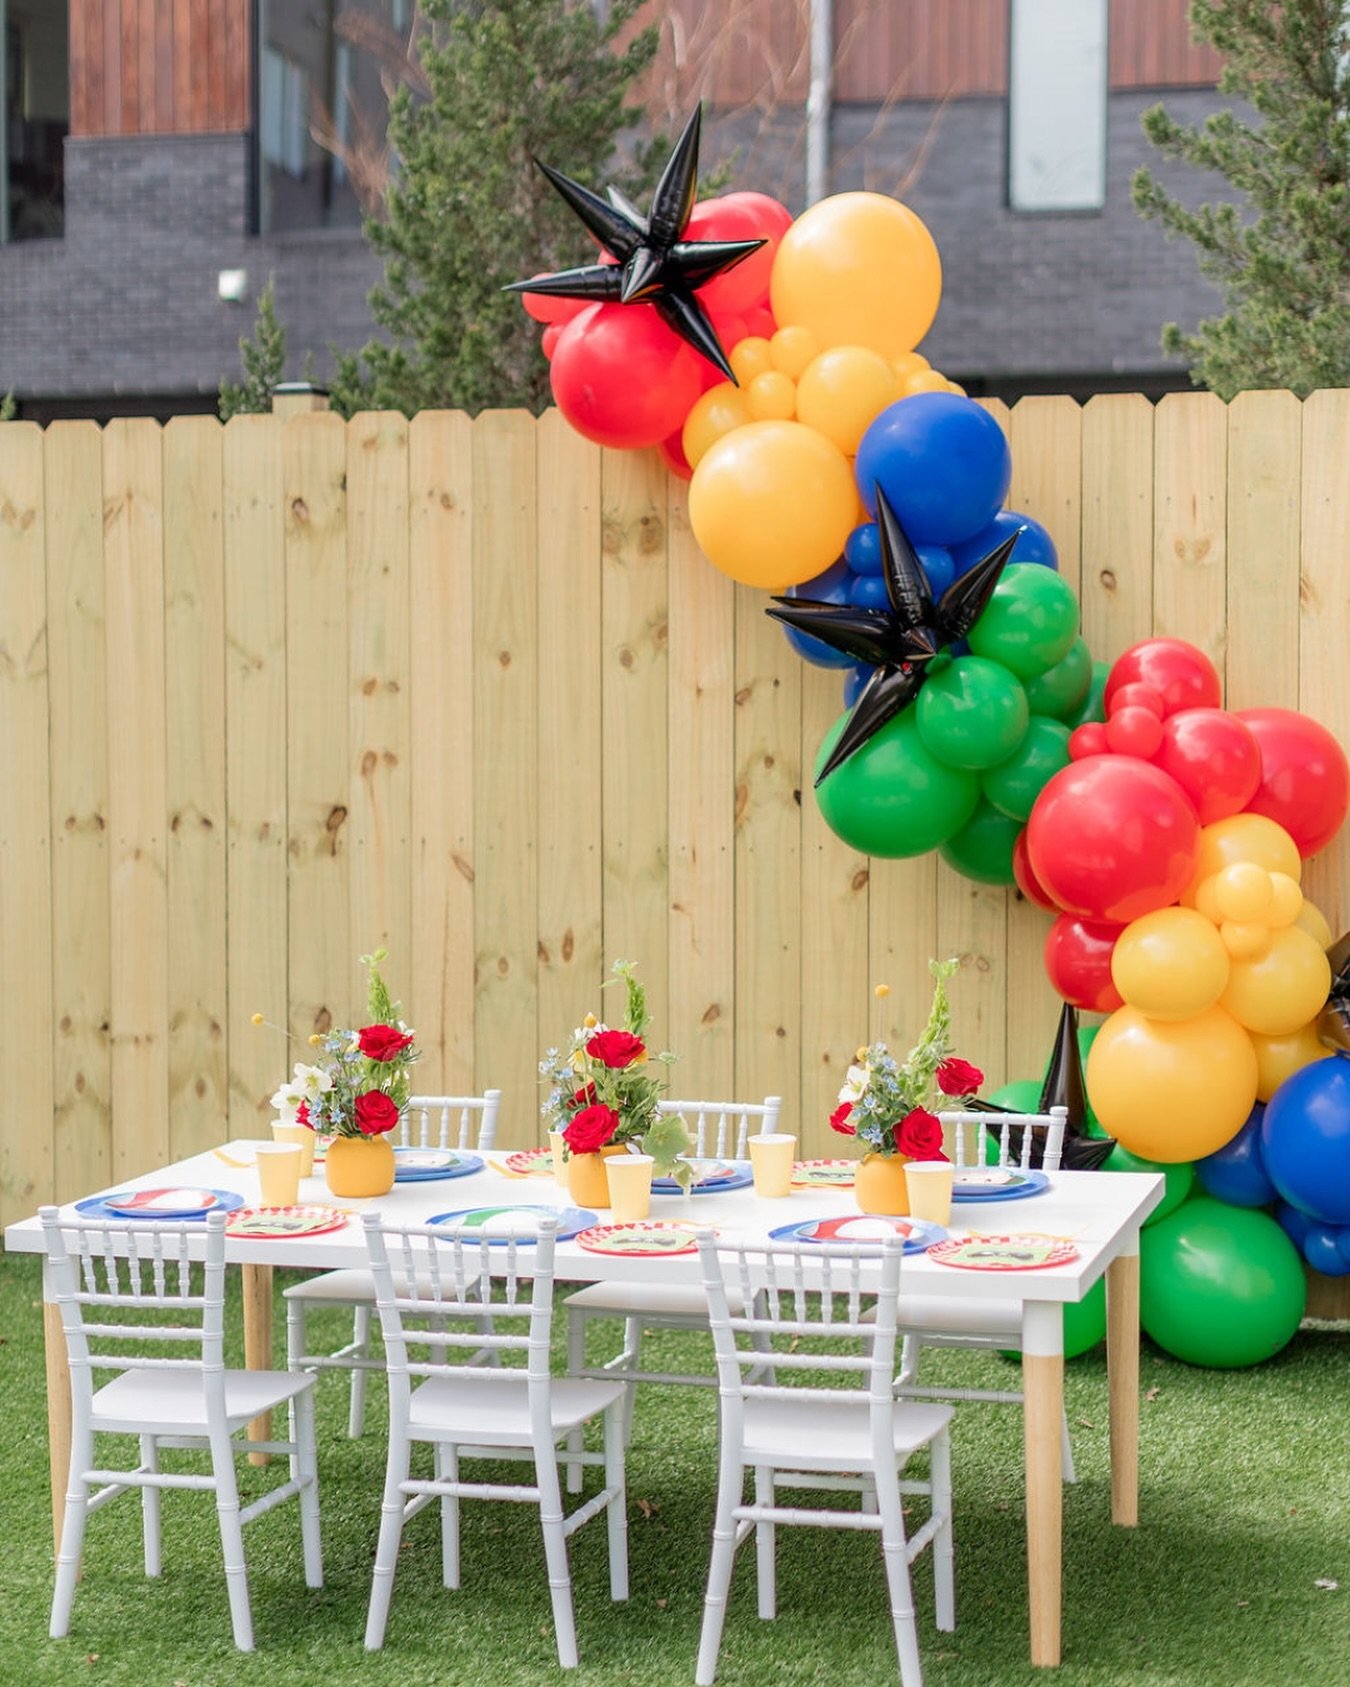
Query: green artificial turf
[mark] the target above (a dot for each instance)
(1244, 1506)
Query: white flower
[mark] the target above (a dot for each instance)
(287, 1101)
(855, 1082)
(312, 1080)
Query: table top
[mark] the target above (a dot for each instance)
(1099, 1212)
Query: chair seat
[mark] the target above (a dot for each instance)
(491, 1409)
(174, 1402)
(806, 1435)
(649, 1300)
(343, 1288)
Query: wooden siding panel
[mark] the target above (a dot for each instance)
(1151, 47)
(143, 67)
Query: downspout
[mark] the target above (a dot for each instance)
(818, 100)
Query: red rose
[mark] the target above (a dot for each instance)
(383, 1042)
(616, 1049)
(302, 1114)
(958, 1077)
(583, 1097)
(375, 1113)
(839, 1119)
(591, 1129)
(919, 1135)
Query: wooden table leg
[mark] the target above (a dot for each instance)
(1122, 1365)
(258, 1342)
(58, 1413)
(1042, 1413)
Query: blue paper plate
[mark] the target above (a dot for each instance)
(1026, 1183)
(94, 1207)
(408, 1171)
(571, 1220)
(740, 1175)
(922, 1233)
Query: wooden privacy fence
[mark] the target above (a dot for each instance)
(273, 694)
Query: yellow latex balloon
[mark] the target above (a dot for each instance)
(957, 388)
(840, 392)
(1245, 940)
(858, 269)
(1243, 837)
(1244, 892)
(771, 504)
(1278, 1058)
(1171, 1090)
(771, 397)
(1311, 919)
(1286, 900)
(791, 349)
(750, 357)
(927, 380)
(1277, 992)
(1205, 900)
(714, 413)
(1170, 964)
(909, 363)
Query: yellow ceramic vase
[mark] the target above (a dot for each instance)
(586, 1181)
(879, 1184)
(359, 1166)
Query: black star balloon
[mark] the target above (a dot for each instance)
(653, 264)
(1063, 1087)
(898, 642)
(1333, 1023)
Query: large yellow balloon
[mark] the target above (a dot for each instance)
(1171, 1091)
(1278, 1058)
(1311, 919)
(840, 392)
(1277, 992)
(715, 413)
(858, 269)
(1243, 837)
(1171, 964)
(772, 503)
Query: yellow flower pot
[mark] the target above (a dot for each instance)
(586, 1181)
(879, 1184)
(359, 1166)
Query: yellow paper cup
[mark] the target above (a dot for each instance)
(930, 1189)
(771, 1159)
(279, 1173)
(303, 1137)
(557, 1143)
(630, 1186)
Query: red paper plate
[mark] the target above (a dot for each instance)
(1003, 1253)
(823, 1174)
(648, 1239)
(269, 1223)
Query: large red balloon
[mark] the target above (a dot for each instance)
(1078, 962)
(1305, 781)
(1214, 757)
(671, 453)
(1112, 837)
(1183, 676)
(621, 377)
(1025, 880)
(739, 216)
(551, 307)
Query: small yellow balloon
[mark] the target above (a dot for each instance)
(1245, 941)
(1279, 991)
(909, 363)
(842, 391)
(714, 413)
(1206, 901)
(772, 503)
(927, 380)
(750, 357)
(1170, 964)
(1171, 1090)
(1286, 901)
(1243, 837)
(858, 269)
(957, 388)
(1243, 891)
(1311, 919)
(791, 349)
(771, 397)
(1278, 1058)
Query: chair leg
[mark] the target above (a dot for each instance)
(232, 1543)
(555, 1556)
(72, 1539)
(895, 1557)
(296, 1332)
(576, 1359)
(447, 1470)
(386, 1550)
(632, 1359)
(719, 1573)
(616, 1520)
(766, 1545)
(944, 1558)
(305, 1471)
(910, 1350)
(150, 1507)
(356, 1415)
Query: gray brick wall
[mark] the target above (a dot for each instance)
(126, 304)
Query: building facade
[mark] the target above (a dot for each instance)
(164, 160)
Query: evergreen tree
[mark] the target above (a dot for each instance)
(1282, 259)
(507, 81)
(264, 360)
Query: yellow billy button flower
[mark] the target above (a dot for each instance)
(257, 1019)
(881, 990)
(590, 1022)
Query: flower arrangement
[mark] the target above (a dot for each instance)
(603, 1088)
(889, 1105)
(360, 1085)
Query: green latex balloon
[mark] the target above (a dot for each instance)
(1084, 1323)
(982, 849)
(1022, 1095)
(1220, 1286)
(1030, 623)
(973, 714)
(1180, 1179)
(1094, 705)
(892, 797)
(1014, 785)
(1062, 690)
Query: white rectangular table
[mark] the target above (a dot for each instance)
(1100, 1212)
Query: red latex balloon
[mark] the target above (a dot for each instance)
(1078, 962)
(671, 453)
(1305, 780)
(774, 217)
(548, 340)
(1026, 881)
(1112, 837)
(1133, 731)
(1137, 696)
(1214, 757)
(622, 378)
(1183, 676)
(547, 307)
(1088, 740)
(761, 322)
(746, 286)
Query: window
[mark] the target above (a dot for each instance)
(1057, 66)
(35, 47)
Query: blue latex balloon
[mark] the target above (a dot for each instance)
(1305, 1139)
(1034, 544)
(942, 462)
(830, 587)
(854, 680)
(1326, 1248)
(938, 566)
(1294, 1223)
(1236, 1172)
(868, 591)
(862, 549)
